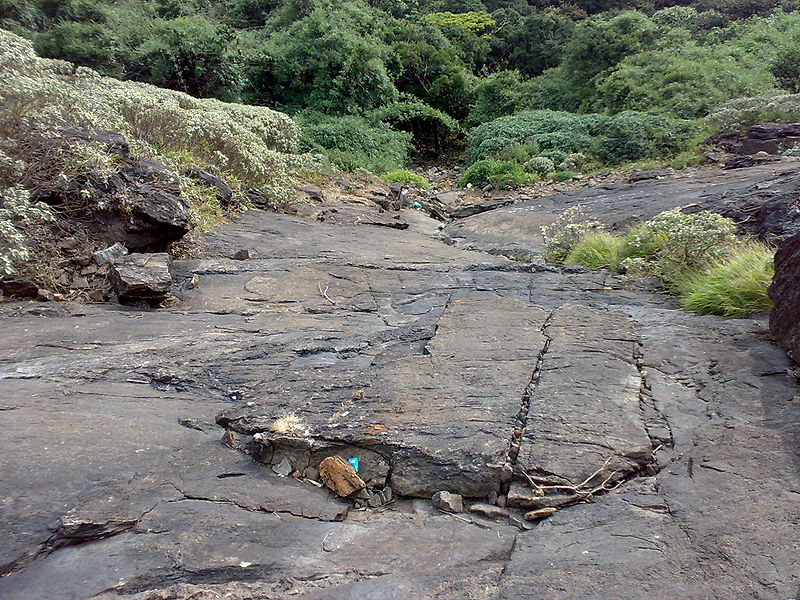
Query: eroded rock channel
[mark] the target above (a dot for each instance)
(667, 441)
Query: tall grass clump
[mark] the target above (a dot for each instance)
(734, 287)
(599, 250)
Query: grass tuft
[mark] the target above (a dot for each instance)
(288, 424)
(406, 176)
(598, 250)
(735, 287)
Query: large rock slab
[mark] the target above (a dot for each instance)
(785, 293)
(116, 484)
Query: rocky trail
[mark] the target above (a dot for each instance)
(605, 444)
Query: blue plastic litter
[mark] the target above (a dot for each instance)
(354, 461)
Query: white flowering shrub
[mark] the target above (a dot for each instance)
(743, 112)
(677, 242)
(540, 165)
(573, 162)
(17, 212)
(566, 231)
(40, 97)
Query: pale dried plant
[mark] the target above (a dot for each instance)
(288, 425)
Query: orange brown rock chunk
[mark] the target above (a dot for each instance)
(340, 476)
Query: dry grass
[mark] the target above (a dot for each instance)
(288, 425)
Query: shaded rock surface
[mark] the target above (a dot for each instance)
(785, 293)
(667, 440)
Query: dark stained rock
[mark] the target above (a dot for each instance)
(142, 203)
(773, 131)
(207, 176)
(749, 160)
(142, 277)
(785, 293)
(18, 287)
(480, 207)
(313, 192)
(769, 138)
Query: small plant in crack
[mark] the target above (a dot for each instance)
(289, 424)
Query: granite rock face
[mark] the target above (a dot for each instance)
(654, 450)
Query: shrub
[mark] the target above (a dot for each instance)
(598, 250)
(17, 213)
(541, 165)
(502, 174)
(685, 242)
(566, 232)
(406, 176)
(742, 113)
(352, 142)
(41, 97)
(735, 287)
(573, 162)
(563, 176)
(608, 139)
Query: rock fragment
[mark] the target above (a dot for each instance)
(542, 513)
(448, 502)
(487, 510)
(341, 477)
(142, 276)
(283, 468)
(110, 254)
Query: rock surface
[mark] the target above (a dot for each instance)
(785, 293)
(667, 440)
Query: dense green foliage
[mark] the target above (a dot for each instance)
(436, 68)
(545, 141)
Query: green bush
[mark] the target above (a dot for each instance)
(683, 242)
(249, 144)
(406, 176)
(561, 176)
(566, 232)
(502, 174)
(352, 142)
(599, 250)
(541, 165)
(607, 139)
(734, 287)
